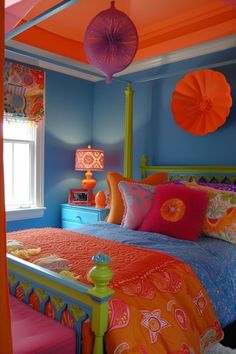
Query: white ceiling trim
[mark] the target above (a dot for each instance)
(10, 54)
(183, 54)
(50, 61)
(47, 60)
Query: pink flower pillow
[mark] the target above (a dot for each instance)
(176, 212)
(138, 200)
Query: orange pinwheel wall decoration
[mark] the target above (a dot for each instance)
(201, 101)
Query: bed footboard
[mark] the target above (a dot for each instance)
(81, 301)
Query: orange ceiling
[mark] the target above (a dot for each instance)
(162, 25)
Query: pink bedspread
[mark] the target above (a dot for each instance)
(34, 333)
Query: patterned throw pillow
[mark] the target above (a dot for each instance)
(220, 218)
(221, 186)
(138, 200)
(116, 202)
(177, 211)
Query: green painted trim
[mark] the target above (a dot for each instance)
(100, 275)
(64, 287)
(128, 140)
(197, 170)
(96, 297)
(99, 326)
(143, 164)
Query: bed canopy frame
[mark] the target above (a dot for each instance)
(5, 328)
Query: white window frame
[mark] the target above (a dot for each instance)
(34, 212)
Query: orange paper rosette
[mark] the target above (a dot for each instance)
(201, 101)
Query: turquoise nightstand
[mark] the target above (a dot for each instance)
(74, 215)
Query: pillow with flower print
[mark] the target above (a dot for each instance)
(138, 200)
(220, 218)
(116, 202)
(177, 211)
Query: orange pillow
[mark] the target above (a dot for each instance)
(116, 202)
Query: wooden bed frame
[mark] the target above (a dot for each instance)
(92, 302)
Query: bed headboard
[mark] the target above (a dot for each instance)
(214, 174)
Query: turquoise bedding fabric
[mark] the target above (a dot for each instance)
(213, 261)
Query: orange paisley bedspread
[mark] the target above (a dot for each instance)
(159, 306)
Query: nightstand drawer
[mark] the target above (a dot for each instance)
(69, 225)
(73, 215)
(79, 216)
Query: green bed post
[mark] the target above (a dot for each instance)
(128, 143)
(100, 275)
(143, 164)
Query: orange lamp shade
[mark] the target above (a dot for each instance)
(89, 159)
(201, 101)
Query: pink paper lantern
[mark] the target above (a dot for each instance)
(110, 41)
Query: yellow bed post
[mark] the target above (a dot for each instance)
(5, 325)
(128, 143)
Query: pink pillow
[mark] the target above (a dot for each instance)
(176, 212)
(138, 199)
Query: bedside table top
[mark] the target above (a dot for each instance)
(83, 207)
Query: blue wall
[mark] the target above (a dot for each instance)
(68, 125)
(80, 112)
(155, 131)
(175, 146)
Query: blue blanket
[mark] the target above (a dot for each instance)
(212, 260)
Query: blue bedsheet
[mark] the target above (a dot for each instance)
(213, 261)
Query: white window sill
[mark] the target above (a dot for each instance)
(24, 213)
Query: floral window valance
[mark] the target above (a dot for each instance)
(23, 93)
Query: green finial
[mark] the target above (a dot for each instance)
(143, 161)
(101, 258)
(143, 164)
(101, 274)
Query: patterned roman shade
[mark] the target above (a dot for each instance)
(23, 93)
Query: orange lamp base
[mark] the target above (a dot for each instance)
(88, 182)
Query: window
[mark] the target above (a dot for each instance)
(23, 148)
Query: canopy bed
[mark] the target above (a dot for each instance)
(140, 273)
(114, 305)
(74, 301)
(138, 281)
(175, 301)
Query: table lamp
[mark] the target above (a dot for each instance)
(89, 160)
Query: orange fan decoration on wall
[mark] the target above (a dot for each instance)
(201, 101)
